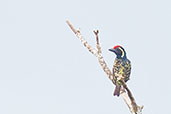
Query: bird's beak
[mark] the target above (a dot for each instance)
(112, 50)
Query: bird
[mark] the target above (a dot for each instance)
(121, 68)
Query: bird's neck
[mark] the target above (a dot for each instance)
(123, 58)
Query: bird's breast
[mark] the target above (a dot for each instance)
(122, 69)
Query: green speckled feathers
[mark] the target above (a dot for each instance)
(121, 72)
(122, 69)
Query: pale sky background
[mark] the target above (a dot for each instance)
(44, 69)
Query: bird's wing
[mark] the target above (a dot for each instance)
(128, 71)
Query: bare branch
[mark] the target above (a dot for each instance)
(135, 107)
(97, 42)
(92, 50)
(85, 43)
(128, 97)
(72, 28)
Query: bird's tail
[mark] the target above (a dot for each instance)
(117, 90)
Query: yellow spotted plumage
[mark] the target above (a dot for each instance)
(121, 70)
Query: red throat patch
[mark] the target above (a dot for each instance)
(116, 46)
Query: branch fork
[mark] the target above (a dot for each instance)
(125, 91)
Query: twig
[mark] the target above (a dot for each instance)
(128, 97)
(97, 42)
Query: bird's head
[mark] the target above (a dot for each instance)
(119, 51)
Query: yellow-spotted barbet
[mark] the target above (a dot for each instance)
(121, 68)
